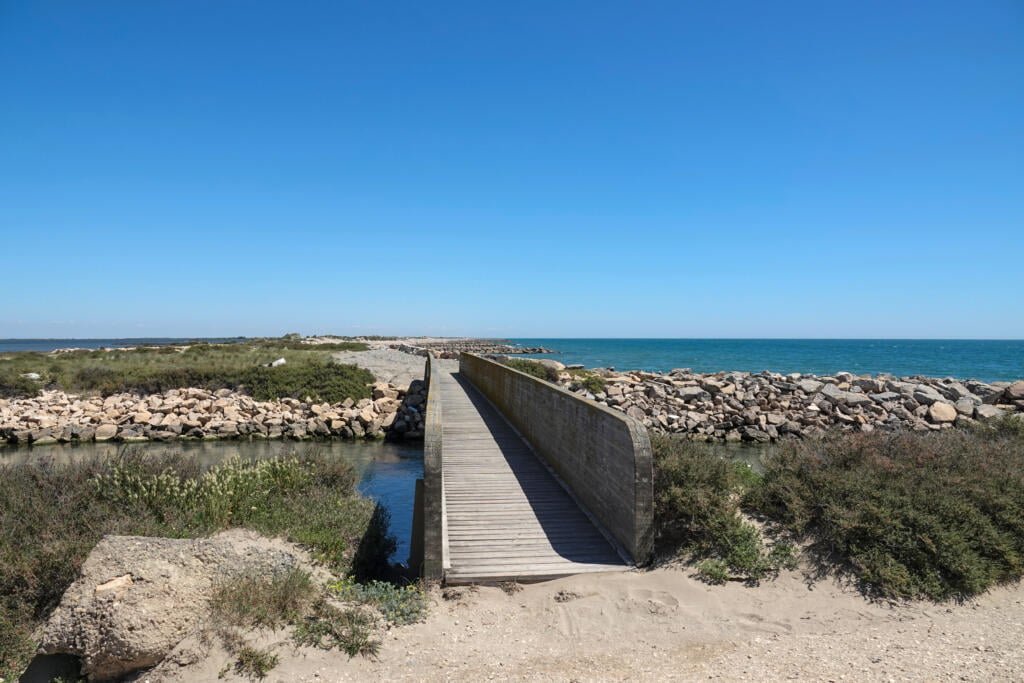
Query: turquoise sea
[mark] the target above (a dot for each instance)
(986, 360)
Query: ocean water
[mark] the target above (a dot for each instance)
(986, 360)
(44, 345)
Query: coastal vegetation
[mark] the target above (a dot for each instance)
(345, 615)
(532, 367)
(588, 379)
(54, 514)
(909, 515)
(549, 372)
(697, 510)
(905, 515)
(307, 370)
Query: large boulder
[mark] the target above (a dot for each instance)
(1014, 392)
(138, 597)
(987, 412)
(551, 364)
(939, 412)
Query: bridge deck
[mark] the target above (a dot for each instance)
(507, 517)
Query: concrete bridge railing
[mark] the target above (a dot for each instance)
(601, 455)
(434, 531)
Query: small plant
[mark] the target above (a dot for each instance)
(565, 596)
(254, 663)
(399, 605)
(263, 602)
(350, 629)
(510, 587)
(714, 571)
(593, 383)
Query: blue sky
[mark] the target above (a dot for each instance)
(720, 169)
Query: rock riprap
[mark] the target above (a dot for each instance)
(55, 416)
(766, 406)
(451, 348)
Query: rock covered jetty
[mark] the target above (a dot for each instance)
(57, 417)
(451, 348)
(766, 406)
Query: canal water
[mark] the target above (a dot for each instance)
(387, 471)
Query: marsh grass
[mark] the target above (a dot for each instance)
(308, 370)
(259, 601)
(53, 515)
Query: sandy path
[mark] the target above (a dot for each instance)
(664, 625)
(387, 365)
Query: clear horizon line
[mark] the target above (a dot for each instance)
(512, 338)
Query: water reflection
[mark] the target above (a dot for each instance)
(387, 472)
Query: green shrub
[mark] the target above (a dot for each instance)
(531, 367)
(321, 381)
(911, 515)
(697, 497)
(400, 605)
(593, 383)
(350, 629)
(254, 663)
(12, 384)
(715, 572)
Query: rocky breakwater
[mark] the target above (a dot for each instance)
(763, 407)
(450, 349)
(57, 417)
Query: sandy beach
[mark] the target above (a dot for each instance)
(665, 625)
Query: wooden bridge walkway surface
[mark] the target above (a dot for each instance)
(506, 516)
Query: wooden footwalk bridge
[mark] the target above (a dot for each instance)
(524, 481)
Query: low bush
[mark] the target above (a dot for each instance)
(349, 629)
(911, 515)
(530, 367)
(595, 384)
(697, 496)
(13, 383)
(254, 663)
(400, 605)
(588, 379)
(322, 381)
